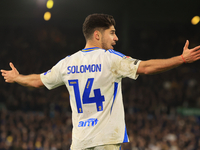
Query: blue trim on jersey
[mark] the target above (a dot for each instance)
(125, 136)
(89, 49)
(116, 53)
(120, 147)
(115, 93)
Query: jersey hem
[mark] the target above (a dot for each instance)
(98, 144)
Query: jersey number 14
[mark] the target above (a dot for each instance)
(98, 98)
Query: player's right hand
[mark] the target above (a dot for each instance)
(10, 75)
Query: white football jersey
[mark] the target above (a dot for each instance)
(93, 79)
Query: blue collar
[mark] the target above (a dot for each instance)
(90, 49)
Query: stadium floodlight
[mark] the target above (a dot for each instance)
(49, 4)
(47, 16)
(195, 20)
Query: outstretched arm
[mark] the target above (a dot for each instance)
(154, 66)
(13, 75)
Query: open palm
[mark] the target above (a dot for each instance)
(191, 55)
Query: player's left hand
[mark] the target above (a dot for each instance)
(190, 55)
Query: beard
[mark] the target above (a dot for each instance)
(105, 44)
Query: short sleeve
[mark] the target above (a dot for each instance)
(124, 66)
(52, 78)
(127, 67)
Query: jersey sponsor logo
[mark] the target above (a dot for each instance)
(88, 122)
(84, 68)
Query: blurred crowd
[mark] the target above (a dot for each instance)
(38, 119)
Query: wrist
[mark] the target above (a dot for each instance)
(16, 78)
(183, 59)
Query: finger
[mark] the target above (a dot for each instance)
(12, 66)
(197, 56)
(3, 71)
(186, 44)
(196, 48)
(3, 74)
(195, 51)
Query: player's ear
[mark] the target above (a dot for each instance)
(97, 34)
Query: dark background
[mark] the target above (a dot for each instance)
(34, 119)
(130, 15)
(72, 13)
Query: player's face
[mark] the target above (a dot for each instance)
(109, 38)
